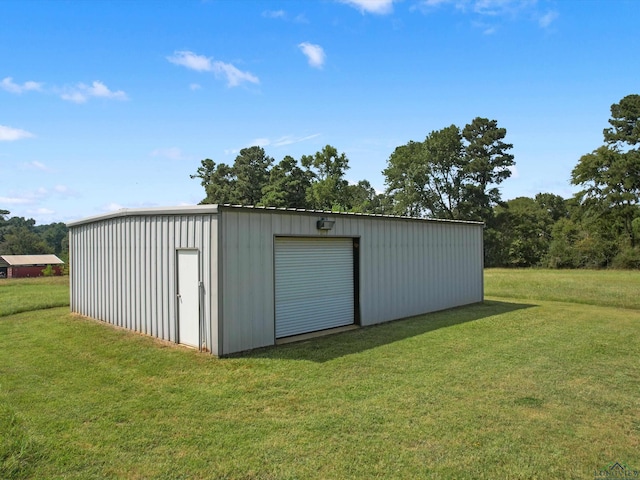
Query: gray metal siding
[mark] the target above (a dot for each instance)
(407, 267)
(123, 271)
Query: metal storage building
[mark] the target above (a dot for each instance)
(229, 278)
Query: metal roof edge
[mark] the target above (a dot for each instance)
(215, 208)
(129, 212)
(329, 212)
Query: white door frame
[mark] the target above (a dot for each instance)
(188, 312)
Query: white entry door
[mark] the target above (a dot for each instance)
(188, 298)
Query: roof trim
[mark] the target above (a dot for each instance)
(350, 214)
(214, 209)
(129, 212)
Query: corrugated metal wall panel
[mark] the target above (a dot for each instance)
(407, 268)
(123, 271)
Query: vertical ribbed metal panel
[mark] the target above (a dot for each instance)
(407, 268)
(122, 271)
(313, 284)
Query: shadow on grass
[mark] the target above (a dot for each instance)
(6, 312)
(329, 347)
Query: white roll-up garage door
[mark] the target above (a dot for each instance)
(314, 284)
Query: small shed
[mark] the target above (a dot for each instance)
(20, 266)
(226, 278)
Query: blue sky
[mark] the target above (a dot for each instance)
(105, 105)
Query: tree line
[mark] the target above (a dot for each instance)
(454, 173)
(21, 236)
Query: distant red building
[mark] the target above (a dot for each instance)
(20, 266)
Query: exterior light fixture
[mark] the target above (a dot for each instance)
(324, 224)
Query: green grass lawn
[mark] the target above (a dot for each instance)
(513, 388)
(613, 288)
(27, 294)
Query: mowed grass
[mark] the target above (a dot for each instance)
(507, 389)
(27, 294)
(614, 288)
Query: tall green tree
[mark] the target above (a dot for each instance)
(328, 189)
(251, 170)
(426, 178)
(487, 164)
(218, 181)
(363, 198)
(287, 186)
(241, 183)
(404, 178)
(451, 174)
(610, 175)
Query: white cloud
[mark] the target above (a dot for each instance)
(172, 153)
(260, 142)
(9, 134)
(37, 195)
(314, 53)
(548, 18)
(35, 202)
(265, 142)
(274, 14)
(233, 76)
(512, 9)
(289, 139)
(15, 200)
(35, 165)
(283, 15)
(487, 29)
(9, 85)
(380, 7)
(81, 92)
(63, 190)
(190, 60)
(112, 207)
(41, 211)
(494, 7)
(24, 197)
(280, 142)
(200, 63)
(99, 89)
(485, 7)
(194, 86)
(435, 3)
(74, 96)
